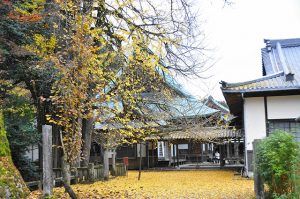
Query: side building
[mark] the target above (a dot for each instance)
(191, 131)
(270, 102)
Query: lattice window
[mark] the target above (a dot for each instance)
(288, 126)
(160, 149)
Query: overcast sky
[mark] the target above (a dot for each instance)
(236, 34)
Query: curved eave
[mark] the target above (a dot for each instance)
(237, 84)
(260, 90)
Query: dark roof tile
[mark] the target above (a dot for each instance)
(281, 61)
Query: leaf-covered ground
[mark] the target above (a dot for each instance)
(166, 184)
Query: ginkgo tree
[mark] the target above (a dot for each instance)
(85, 62)
(98, 54)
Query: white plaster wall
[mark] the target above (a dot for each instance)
(283, 107)
(254, 120)
(110, 153)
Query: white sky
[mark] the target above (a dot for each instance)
(236, 34)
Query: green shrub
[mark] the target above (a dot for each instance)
(277, 161)
(296, 177)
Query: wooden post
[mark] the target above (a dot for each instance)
(153, 154)
(169, 153)
(91, 172)
(202, 154)
(222, 155)
(177, 154)
(174, 155)
(258, 182)
(236, 149)
(106, 164)
(147, 154)
(228, 149)
(47, 160)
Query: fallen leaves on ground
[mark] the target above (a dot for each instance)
(166, 184)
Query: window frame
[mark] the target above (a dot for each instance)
(289, 121)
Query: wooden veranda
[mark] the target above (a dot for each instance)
(199, 145)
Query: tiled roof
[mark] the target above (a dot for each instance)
(190, 107)
(291, 54)
(203, 133)
(275, 81)
(162, 111)
(281, 67)
(179, 107)
(212, 103)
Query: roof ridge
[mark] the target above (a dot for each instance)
(226, 84)
(216, 102)
(291, 42)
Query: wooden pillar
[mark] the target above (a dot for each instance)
(147, 154)
(202, 152)
(47, 160)
(153, 154)
(228, 149)
(177, 154)
(222, 155)
(174, 155)
(236, 149)
(169, 153)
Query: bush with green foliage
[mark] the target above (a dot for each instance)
(277, 159)
(296, 177)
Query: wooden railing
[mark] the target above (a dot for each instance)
(90, 173)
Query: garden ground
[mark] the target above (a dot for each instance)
(166, 184)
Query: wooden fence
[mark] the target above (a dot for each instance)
(81, 174)
(121, 170)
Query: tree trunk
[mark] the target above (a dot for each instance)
(76, 164)
(66, 171)
(11, 182)
(140, 165)
(40, 122)
(87, 131)
(106, 164)
(113, 162)
(66, 174)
